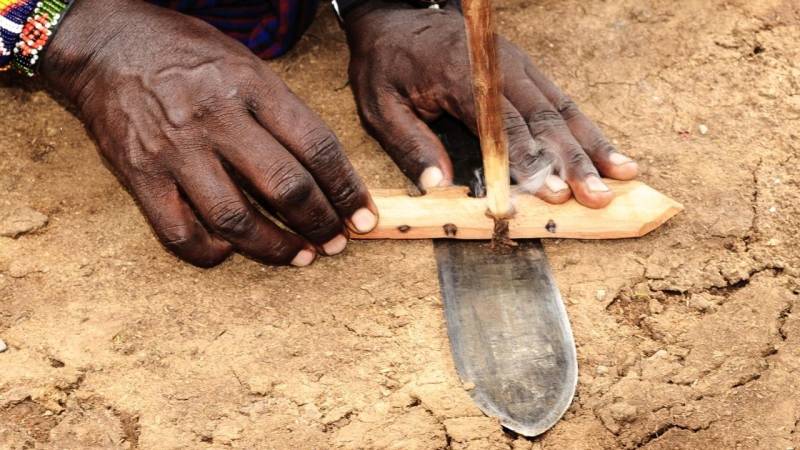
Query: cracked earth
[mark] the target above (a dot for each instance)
(687, 338)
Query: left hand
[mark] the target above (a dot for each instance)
(408, 66)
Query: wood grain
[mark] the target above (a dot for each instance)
(636, 210)
(487, 91)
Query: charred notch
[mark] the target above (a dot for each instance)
(500, 238)
(450, 229)
(551, 226)
(412, 190)
(403, 228)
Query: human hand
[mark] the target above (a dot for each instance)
(193, 123)
(408, 66)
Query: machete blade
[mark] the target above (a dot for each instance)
(509, 332)
(508, 328)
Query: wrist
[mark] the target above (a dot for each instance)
(370, 10)
(87, 30)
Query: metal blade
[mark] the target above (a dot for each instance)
(508, 328)
(509, 332)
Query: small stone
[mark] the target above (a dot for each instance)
(260, 385)
(700, 303)
(336, 414)
(623, 412)
(773, 209)
(3, 346)
(20, 269)
(703, 129)
(600, 294)
(14, 222)
(773, 242)
(655, 306)
(227, 432)
(601, 370)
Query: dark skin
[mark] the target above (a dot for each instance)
(195, 126)
(190, 120)
(409, 65)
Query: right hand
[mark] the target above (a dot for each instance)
(190, 120)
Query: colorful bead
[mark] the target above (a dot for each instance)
(26, 27)
(13, 15)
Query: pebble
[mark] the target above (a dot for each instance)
(703, 129)
(15, 222)
(655, 306)
(3, 346)
(600, 294)
(21, 269)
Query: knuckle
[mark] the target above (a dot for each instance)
(534, 160)
(600, 146)
(280, 251)
(577, 161)
(345, 194)
(369, 112)
(268, 88)
(229, 217)
(546, 121)
(175, 237)
(323, 227)
(514, 126)
(289, 186)
(374, 106)
(574, 154)
(320, 147)
(567, 108)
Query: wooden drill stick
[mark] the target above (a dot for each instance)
(486, 87)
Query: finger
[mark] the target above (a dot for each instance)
(280, 181)
(531, 165)
(229, 214)
(548, 127)
(175, 224)
(610, 162)
(526, 168)
(408, 140)
(315, 146)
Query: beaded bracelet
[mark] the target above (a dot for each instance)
(26, 27)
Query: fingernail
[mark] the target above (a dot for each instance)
(619, 159)
(303, 258)
(555, 183)
(431, 177)
(335, 245)
(364, 220)
(596, 184)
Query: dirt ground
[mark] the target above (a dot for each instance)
(687, 338)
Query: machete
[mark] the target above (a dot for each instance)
(509, 333)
